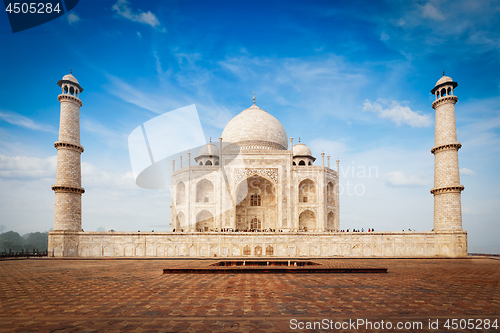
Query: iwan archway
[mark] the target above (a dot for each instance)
(256, 204)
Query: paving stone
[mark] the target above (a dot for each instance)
(134, 296)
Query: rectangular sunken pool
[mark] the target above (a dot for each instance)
(266, 263)
(267, 266)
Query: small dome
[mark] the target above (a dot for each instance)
(209, 150)
(301, 149)
(444, 79)
(256, 125)
(70, 77)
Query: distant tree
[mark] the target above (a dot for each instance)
(2, 228)
(11, 240)
(36, 240)
(101, 229)
(7, 245)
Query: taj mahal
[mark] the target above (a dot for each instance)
(255, 182)
(256, 194)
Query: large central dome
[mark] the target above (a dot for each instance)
(255, 127)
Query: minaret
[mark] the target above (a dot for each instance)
(68, 190)
(447, 188)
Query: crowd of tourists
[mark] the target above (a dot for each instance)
(357, 230)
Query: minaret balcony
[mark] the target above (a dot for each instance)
(454, 145)
(72, 146)
(70, 98)
(444, 99)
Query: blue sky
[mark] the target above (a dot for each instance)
(352, 78)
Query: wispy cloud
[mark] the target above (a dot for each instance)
(20, 120)
(27, 167)
(467, 172)
(320, 85)
(437, 27)
(110, 137)
(429, 11)
(95, 178)
(146, 100)
(397, 113)
(72, 18)
(398, 178)
(122, 8)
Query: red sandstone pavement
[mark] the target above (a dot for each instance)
(50, 295)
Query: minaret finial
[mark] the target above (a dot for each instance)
(210, 139)
(254, 98)
(71, 70)
(299, 139)
(443, 72)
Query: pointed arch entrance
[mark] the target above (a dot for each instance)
(307, 220)
(179, 221)
(205, 221)
(256, 207)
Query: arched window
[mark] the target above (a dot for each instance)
(443, 92)
(216, 163)
(255, 224)
(179, 221)
(181, 193)
(294, 163)
(310, 163)
(71, 90)
(246, 250)
(201, 163)
(204, 191)
(269, 250)
(208, 162)
(302, 163)
(307, 191)
(449, 91)
(330, 222)
(65, 89)
(330, 193)
(255, 200)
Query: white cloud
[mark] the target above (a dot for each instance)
(122, 8)
(111, 198)
(429, 11)
(72, 18)
(384, 37)
(155, 103)
(467, 172)
(209, 111)
(398, 178)
(20, 120)
(108, 136)
(92, 177)
(27, 167)
(397, 113)
(321, 86)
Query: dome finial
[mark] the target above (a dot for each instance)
(443, 72)
(71, 70)
(254, 98)
(210, 139)
(299, 139)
